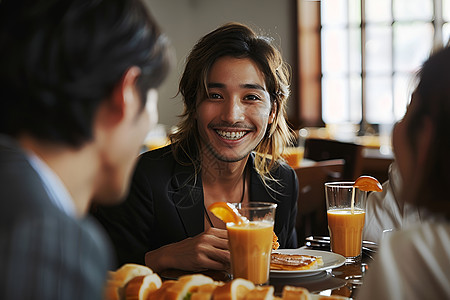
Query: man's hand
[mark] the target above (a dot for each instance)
(208, 250)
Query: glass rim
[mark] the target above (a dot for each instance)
(255, 205)
(341, 184)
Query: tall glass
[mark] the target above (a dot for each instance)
(346, 210)
(293, 154)
(251, 242)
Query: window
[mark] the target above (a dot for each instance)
(370, 53)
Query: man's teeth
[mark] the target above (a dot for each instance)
(233, 135)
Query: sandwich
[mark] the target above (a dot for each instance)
(185, 286)
(160, 293)
(236, 289)
(117, 280)
(205, 292)
(261, 293)
(139, 287)
(295, 293)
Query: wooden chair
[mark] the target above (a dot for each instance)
(312, 212)
(323, 149)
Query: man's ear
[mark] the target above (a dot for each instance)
(273, 112)
(124, 93)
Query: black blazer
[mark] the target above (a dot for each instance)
(165, 205)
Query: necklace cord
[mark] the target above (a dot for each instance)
(242, 199)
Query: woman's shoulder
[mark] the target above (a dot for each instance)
(421, 234)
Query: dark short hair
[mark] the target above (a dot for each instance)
(61, 58)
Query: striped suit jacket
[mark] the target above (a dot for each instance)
(44, 253)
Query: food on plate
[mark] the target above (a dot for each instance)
(160, 293)
(139, 287)
(129, 271)
(236, 289)
(291, 262)
(295, 293)
(205, 291)
(226, 212)
(117, 280)
(368, 184)
(261, 293)
(185, 285)
(275, 244)
(124, 285)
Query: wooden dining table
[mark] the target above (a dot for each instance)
(344, 280)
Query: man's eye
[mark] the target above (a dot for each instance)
(252, 97)
(214, 96)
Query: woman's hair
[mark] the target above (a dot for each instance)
(433, 101)
(237, 41)
(62, 59)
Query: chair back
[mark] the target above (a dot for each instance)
(312, 212)
(323, 149)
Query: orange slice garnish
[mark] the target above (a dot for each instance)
(225, 212)
(368, 184)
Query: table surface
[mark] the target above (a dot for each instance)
(343, 281)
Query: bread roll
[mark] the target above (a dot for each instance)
(295, 293)
(115, 285)
(113, 290)
(233, 290)
(184, 285)
(261, 293)
(160, 294)
(129, 271)
(205, 292)
(139, 287)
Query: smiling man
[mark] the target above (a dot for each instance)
(235, 89)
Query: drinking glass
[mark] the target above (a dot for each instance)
(345, 219)
(294, 152)
(251, 241)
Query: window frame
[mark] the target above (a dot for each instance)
(309, 66)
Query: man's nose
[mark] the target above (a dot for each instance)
(234, 110)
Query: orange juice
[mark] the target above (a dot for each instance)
(294, 156)
(346, 231)
(250, 248)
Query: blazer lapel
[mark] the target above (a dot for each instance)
(258, 191)
(186, 193)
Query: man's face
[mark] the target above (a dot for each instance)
(124, 146)
(233, 118)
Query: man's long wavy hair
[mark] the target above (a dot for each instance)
(238, 41)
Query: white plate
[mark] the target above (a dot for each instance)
(330, 261)
(320, 297)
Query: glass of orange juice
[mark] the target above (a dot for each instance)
(251, 241)
(294, 155)
(346, 207)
